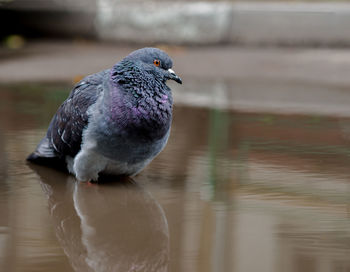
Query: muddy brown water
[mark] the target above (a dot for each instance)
(231, 192)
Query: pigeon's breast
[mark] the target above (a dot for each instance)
(146, 118)
(130, 147)
(149, 122)
(132, 126)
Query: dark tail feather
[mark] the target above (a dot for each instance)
(33, 157)
(46, 155)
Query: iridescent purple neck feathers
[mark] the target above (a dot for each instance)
(139, 101)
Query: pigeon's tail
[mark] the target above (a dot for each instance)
(46, 155)
(44, 150)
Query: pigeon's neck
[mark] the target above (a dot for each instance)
(139, 103)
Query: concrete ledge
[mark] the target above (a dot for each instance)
(185, 22)
(223, 22)
(169, 22)
(291, 23)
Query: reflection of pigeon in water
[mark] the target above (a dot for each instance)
(115, 121)
(123, 229)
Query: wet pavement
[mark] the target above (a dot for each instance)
(256, 79)
(232, 191)
(64, 60)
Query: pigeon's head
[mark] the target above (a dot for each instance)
(155, 61)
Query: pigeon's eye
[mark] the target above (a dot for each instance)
(156, 62)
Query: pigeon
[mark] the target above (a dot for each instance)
(114, 122)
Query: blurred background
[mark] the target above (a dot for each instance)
(255, 176)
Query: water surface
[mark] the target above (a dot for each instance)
(231, 192)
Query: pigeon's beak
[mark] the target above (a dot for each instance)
(174, 77)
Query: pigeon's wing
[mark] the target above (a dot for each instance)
(64, 134)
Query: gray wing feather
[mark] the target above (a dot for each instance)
(64, 134)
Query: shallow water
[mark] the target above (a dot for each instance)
(231, 192)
